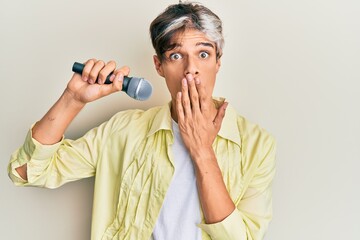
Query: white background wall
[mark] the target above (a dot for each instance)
(291, 66)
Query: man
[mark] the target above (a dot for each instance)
(192, 169)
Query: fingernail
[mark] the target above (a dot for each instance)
(184, 81)
(112, 77)
(119, 77)
(197, 81)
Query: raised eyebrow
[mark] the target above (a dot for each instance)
(175, 45)
(205, 44)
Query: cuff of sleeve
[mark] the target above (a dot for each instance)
(37, 150)
(32, 153)
(231, 228)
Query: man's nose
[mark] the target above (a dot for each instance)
(191, 67)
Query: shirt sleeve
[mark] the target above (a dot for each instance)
(51, 166)
(250, 219)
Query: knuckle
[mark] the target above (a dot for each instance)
(126, 69)
(85, 72)
(118, 86)
(100, 62)
(102, 75)
(91, 61)
(111, 62)
(195, 98)
(93, 75)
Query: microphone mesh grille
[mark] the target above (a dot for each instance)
(139, 89)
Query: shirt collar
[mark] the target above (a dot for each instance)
(162, 120)
(229, 128)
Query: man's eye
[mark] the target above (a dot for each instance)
(203, 55)
(175, 56)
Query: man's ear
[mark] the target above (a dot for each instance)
(218, 64)
(158, 66)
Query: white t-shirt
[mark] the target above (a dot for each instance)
(180, 212)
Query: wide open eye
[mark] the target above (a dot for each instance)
(203, 55)
(175, 56)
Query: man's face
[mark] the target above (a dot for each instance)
(193, 54)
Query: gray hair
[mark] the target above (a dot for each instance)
(182, 16)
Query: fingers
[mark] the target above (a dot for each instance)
(205, 100)
(105, 71)
(193, 93)
(194, 98)
(220, 115)
(185, 100)
(200, 100)
(117, 78)
(194, 102)
(91, 70)
(179, 108)
(96, 71)
(125, 70)
(89, 64)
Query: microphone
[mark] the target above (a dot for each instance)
(137, 88)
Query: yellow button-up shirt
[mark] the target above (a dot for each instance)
(130, 156)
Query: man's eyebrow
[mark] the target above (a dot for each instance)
(173, 46)
(206, 44)
(179, 45)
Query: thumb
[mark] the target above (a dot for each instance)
(115, 86)
(117, 82)
(220, 115)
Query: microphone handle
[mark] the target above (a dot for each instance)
(79, 67)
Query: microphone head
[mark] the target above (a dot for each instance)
(139, 89)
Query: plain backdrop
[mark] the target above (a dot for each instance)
(291, 66)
